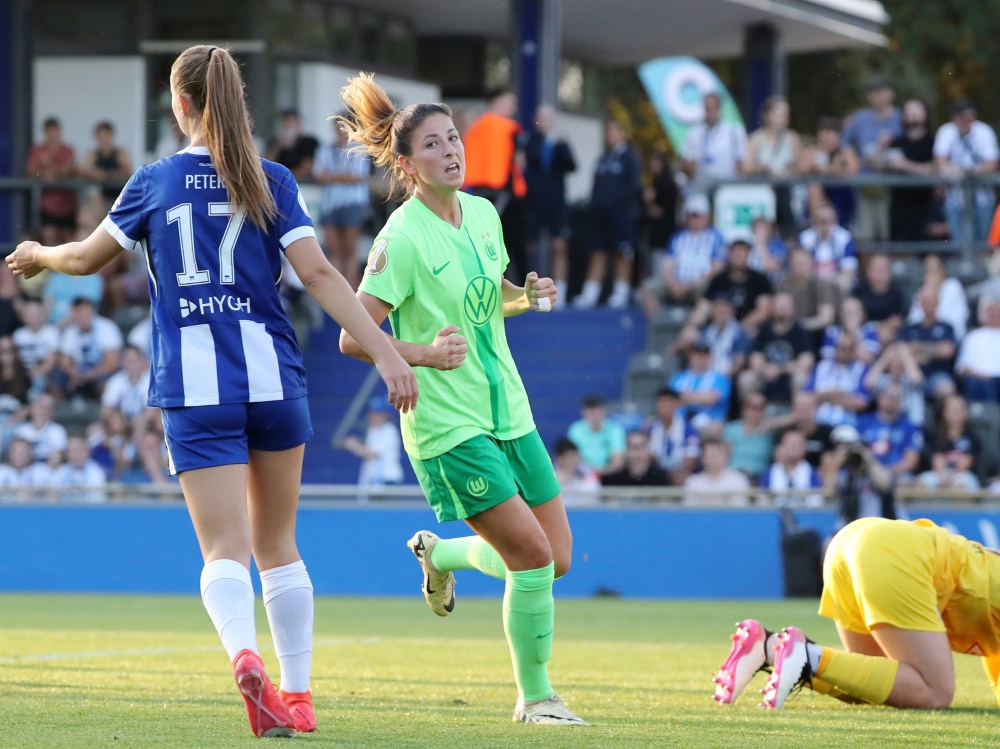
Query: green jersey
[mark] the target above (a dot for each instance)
(433, 275)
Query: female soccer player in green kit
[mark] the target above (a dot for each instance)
(436, 270)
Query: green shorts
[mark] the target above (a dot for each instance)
(483, 471)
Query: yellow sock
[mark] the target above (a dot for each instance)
(821, 687)
(867, 677)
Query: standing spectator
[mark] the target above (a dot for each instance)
(933, 345)
(548, 158)
(717, 484)
(953, 306)
(128, 390)
(494, 169)
(782, 357)
(768, 253)
(660, 199)
(704, 392)
(896, 366)
(831, 156)
(344, 176)
(601, 441)
(853, 320)
(80, 477)
(382, 448)
(748, 290)
(978, 362)
(773, 150)
(751, 442)
(726, 337)
(967, 147)
(580, 484)
(22, 472)
(37, 344)
(90, 348)
(641, 468)
(790, 471)
(51, 160)
(614, 206)
(912, 152)
(713, 149)
(839, 384)
(814, 299)
(832, 248)
(869, 131)
(672, 440)
(695, 254)
(892, 438)
(953, 451)
(47, 439)
(107, 163)
(882, 299)
(292, 147)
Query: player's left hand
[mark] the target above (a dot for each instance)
(22, 260)
(536, 288)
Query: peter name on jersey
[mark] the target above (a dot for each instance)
(203, 182)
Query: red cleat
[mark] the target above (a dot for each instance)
(268, 715)
(300, 705)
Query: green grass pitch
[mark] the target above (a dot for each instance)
(135, 672)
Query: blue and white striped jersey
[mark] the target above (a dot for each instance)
(220, 334)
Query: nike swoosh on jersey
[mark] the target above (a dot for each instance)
(436, 271)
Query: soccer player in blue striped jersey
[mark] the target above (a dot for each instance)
(211, 222)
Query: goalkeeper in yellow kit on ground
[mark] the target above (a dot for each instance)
(904, 596)
(436, 270)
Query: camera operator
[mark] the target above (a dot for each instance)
(862, 486)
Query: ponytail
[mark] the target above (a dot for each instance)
(373, 124)
(211, 78)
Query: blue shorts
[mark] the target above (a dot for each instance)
(209, 436)
(346, 216)
(614, 230)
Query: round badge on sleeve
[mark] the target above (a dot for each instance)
(379, 258)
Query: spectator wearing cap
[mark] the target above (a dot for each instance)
(978, 362)
(382, 447)
(580, 484)
(932, 344)
(695, 253)
(748, 290)
(672, 440)
(869, 131)
(892, 438)
(912, 152)
(89, 351)
(641, 468)
(704, 391)
(782, 359)
(292, 147)
(830, 156)
(814, 299)
(601, 440)
(832, 248)
(729, 342)
(839, 384)
(713, 149)
(966, 147)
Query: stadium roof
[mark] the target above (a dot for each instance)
(628, 32)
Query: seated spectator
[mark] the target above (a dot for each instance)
(46, 437)
(128, 390)
(107, 162)
(140, 337)
(892, 438)
(790, 471)
(600, 440)
(89, 351)
(953, 451)
(704, 392)
(37, 343)
(640, 467)
(881, 298)
(852, 319)
(726, 337)
(832, 248)
(62, 291)
(831, 156)
(672, 440)
(912, 152)
(782, 359)
(21, 472)
(978, 362)
(382, 448)
(768, 254)
(152, 461)
(932, 344)
(718, 484)
(580, 484)
(750, 441)
(897, 365)
(80, 478)
(839, 384)
(803, 419)
(14, 380)
(110, 443)
(748, 290)
(815, 300)
(695, 253)
(953, 306)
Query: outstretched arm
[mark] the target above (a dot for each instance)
(72, 259)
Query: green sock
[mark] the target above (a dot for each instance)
(467, 553)
(528, 619)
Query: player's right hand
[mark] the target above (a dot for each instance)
(448, 350)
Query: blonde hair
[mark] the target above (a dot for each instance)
(374, 125)
(210, 77)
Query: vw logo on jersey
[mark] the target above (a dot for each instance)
(378, 259)
(491, 250)
(477, 486)
(480, 299)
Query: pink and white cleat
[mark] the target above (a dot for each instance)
(791, 668)
(746, 658)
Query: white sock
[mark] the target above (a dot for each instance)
(621, 289)
(288, 598)
(814, 652)
(591, 290)
(562, 289)
(227, 593)
(769, 644)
